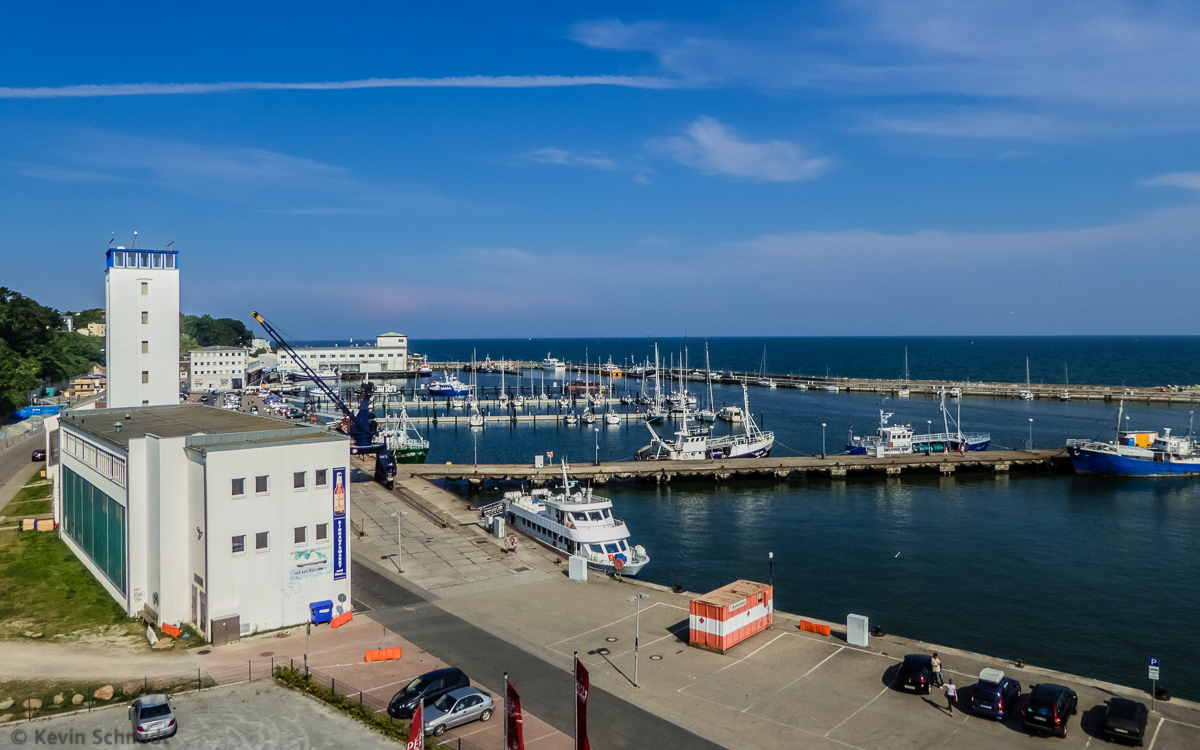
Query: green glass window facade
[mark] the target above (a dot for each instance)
(96, 523)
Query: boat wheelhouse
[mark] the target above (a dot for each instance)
(552, 364)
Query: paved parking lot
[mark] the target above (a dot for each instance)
(256, 716)
(782, 688)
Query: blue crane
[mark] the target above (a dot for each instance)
(363, 427)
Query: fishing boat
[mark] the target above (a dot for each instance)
(573, 522)
(695, 444)
(731, 414)
(424, 371)
(552, 364)
(889, 440)
(641, 372)
(900, 439)
(1138, 453)
(400, 435)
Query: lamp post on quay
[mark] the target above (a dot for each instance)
(637, 633)
(822, 440)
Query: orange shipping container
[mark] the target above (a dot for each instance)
(723, 618)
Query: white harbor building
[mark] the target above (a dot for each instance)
(218, 368)
(389, 354)
(141, 297)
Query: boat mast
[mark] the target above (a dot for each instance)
(1120, 413)
(708, 376)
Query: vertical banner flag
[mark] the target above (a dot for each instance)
(514, 734)
(582, 686)
(340, 492)
(416, 730)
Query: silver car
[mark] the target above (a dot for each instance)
(152, 717)
(458, 707)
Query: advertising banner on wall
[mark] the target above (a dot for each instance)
(340, 492)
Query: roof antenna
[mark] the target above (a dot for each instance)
(135, 240)
(114, 239)
(172, 242)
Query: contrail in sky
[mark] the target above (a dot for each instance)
(480, 82)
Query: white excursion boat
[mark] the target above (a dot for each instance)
(572, 523)
(552, 364)
(698, 445)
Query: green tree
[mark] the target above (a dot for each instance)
(35, 347)
(209, 331)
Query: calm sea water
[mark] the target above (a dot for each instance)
(1084, 575)
(1098, 360)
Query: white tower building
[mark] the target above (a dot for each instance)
(141, 291)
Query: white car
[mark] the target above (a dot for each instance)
(458, 707)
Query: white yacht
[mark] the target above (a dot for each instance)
(552, 364)
(698, 445)
(731, 414)
(612, 417)
(588, 417)
(573, 523)
(571, 418)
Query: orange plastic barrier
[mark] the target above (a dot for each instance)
(383, 654)
(170, 630)
(341, 620)
(813, 627)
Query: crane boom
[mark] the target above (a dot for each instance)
(362, 424)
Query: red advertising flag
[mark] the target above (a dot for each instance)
(582, 687)
(514, 734)
(416, 730)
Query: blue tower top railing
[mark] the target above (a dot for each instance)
(161, 259)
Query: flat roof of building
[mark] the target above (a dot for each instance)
(184, 420)
(219, 348)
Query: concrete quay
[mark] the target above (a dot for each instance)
(839, 466)
(782, 688)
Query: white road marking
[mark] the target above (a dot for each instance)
(602, 627)
(752, 653)
(1160, 723)
(806, 674)
(851, 716)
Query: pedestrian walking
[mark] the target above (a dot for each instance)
(951, 695)
(936, 664)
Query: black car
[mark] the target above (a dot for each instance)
(916, 674)
(1049, 707)
(1125, 721)
(39, 454)
(428, 687)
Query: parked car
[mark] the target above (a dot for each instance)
(916, 674)
(1049, 708)
(428, 688)
(458, 707)
(39, 454)
(995, 695)
(1125, 721)
(204, 398)
(152, 718)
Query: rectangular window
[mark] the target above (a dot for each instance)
(239, 487)
(260, 540)
(300, 532)
(96, 523)
(322, 532)
(170, 260)
(145, 288)
(145, 347)
(145, 376)
(321, 477)
(145, 260)
(260, 484)
(239, 544)
(145, 317)
(298, 480)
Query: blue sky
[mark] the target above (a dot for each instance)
(471, 170)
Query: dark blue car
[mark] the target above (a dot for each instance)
(995, 695)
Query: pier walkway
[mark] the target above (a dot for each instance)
(830, 466)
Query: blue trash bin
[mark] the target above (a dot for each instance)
(320, 612)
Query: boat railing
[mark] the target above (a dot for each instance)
(945, 437)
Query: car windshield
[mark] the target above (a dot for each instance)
(415, 686)
(445, 703)
(1123, 710)
(151, 712)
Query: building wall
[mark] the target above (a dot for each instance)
(273, 588)
(124, 304)
(390, 354)
(218, 369)
(106, 485)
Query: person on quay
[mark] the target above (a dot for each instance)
(936, 664)
(951, 695)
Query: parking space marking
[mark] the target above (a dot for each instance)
(752, 653)
(806, 674)
(670, 634)
(1155, 739)
(1177, 721)
(851, 716)
(769, 720)
(606, 625)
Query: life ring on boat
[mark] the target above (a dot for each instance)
(568, 524)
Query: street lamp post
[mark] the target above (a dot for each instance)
(596, 462)
(399, 550)
(771, 569)
(1031, 433)
(822, 440)
(637, 633)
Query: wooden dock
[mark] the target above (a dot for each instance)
(840, 466)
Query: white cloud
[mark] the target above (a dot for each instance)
(972, 123)
(551, 155)
(1186, 180)
(713, 148)
(487, 82)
